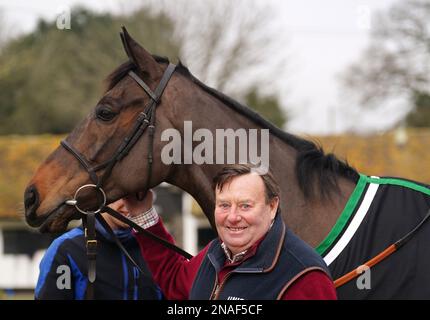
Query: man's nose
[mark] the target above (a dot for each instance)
(234, 215)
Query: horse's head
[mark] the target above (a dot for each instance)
(98, 139)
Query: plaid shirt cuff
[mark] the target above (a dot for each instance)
(146, 219)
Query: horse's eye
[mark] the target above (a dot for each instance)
(105, 113)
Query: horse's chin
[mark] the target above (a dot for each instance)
(58, 220)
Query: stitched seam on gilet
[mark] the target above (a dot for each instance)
(281, 293)
(212, 254)
(278, 251)
(211, 297)
(213, 242)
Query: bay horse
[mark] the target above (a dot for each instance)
(348, 217)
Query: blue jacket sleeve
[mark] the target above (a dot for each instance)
(55, 280)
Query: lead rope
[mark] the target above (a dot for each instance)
(88, 222)
(381, 256)
(146, 233)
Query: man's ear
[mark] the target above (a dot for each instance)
(139, 56)
(274, 204)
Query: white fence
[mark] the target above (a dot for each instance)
(18, 271)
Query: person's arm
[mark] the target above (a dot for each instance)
(172, 272)
(55, 278)
(314, 285)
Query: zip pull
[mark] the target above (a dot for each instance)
(219, 285)
(216, 291)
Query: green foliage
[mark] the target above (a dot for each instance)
(268, 107)
(51, 78)
(420, 115)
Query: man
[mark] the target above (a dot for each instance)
(63, 269)
(255, 256)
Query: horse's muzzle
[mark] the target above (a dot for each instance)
(31, 203)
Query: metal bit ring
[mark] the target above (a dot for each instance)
(74, 202)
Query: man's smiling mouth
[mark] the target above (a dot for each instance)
(236, 228)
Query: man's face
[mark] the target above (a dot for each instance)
(242, 215)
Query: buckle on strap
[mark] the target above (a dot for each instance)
(141, 117)
(91, 247)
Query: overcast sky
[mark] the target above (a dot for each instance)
(324, 38)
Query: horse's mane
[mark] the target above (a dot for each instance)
(312, 162)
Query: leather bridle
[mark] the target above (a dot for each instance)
(145, 120)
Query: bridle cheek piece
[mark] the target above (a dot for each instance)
(144, 120)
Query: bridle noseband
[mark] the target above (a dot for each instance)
(145, 120)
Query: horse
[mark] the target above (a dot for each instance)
(348, 217)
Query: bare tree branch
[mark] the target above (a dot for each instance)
(397, 62)
(230, 45)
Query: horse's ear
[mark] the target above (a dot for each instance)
(138, 55)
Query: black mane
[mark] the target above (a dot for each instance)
(311, 162)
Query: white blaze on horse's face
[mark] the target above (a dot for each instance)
(242, 214)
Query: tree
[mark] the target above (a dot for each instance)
(233, 46)
(2, 30)
(396, 65)
(420, 115)
(50, 78)
(267, 106)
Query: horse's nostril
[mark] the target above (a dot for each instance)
(31, 200)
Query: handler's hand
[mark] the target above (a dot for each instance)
(135, 206)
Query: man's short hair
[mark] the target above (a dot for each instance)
(229, 172)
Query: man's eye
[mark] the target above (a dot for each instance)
(105, 113)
